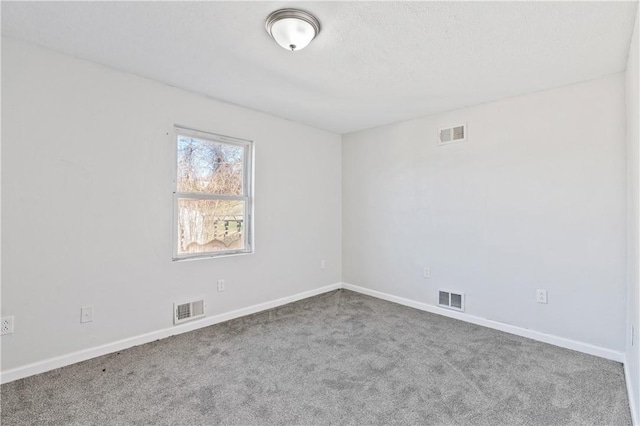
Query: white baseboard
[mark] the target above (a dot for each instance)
(85, 354)
(512, 329)
(633, 402)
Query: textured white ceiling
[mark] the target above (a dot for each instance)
(373, 63)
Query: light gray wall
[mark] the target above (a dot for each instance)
(87, 205)
(534, 199)
(632, 355)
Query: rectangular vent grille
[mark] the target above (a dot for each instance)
(450, 300)
(187, 311)
(452, 134)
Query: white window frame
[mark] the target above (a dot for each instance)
(246, 196)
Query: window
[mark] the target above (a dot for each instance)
(212, 195)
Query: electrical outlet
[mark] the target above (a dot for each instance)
(426, 272)
(86, 314)
(541, 296)
(7, 325)
(323, 264)
(221, 285)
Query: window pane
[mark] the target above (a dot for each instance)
(206, 226)
(209, 167)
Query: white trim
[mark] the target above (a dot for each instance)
(507, 328)
(208, 136)
(205, 196)
(85, 354)
(633, 402)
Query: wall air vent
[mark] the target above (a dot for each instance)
(187, 311)
(452, 134)
(450, 300)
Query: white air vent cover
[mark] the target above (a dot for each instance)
(452, 134)
(451, 300)
(187, 311)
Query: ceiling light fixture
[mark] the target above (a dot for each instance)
(292, 29)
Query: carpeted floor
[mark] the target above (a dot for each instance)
(337, 358)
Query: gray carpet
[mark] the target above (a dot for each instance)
(338, 358)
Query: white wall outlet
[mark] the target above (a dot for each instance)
(426, 272)
(86, 314)
(7, 325)
(541, 296)
(221, 285)
(323, 264)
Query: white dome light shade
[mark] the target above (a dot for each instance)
(292, 29)
(293, 34)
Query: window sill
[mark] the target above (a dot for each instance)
(211, 256)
